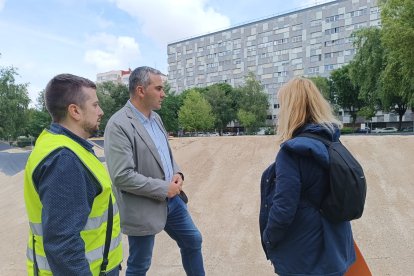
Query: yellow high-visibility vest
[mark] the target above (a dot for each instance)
(94, 232)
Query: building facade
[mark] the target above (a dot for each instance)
(307, 42)
(115, 76)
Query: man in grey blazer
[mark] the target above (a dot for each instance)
(147, 179)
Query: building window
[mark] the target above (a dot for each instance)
(349, 52)
(316, 22)
(297, 27)
(334, 30)
(264, 45)
(265, 55)
(296, 50)
(316, 34)
(358, 12)
(315, 58)
(281, 41)
(297, 38)
(330, 67)
(281, 52)
(375, 10)
(281, 74)
(251, 48)
(334, 18)
(313, 70)
(360, 26)
(334, 42)
(334, 54)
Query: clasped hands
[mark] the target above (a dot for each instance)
(176, 186)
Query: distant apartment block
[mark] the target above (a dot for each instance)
(115, 76)
(307, 42)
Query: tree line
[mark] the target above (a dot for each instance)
(380, 77)
(199, 109)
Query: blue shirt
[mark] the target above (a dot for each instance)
(67, 191)
(159, 139)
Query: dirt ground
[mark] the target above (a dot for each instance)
(222, 182)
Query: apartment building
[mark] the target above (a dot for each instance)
(307, 42)
(115, 76)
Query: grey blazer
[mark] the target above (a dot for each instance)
(137, 174)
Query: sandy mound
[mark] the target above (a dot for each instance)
(222, 181)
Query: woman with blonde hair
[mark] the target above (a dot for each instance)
(296, 238)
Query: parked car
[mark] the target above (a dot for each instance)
(407, 129)
(385, 130)
(363, 130)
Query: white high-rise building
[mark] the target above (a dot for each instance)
(307, 42)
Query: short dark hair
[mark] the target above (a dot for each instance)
(141, 77)
(63, 90)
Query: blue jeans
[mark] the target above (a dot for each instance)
(179, 227)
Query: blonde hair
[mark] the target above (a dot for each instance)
(302, 103)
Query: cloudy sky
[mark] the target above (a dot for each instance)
(49, 37)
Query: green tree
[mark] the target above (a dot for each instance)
(367, 65)
(398, 38)
(14, 102)
(170, 108)
(38, 118)
(222, 100)
(394, 87)
(323, 86)
(252, 101)
(112, 97)
(247, 119)
(346, 93)
(195, 113)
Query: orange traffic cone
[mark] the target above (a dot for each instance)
(360, 267)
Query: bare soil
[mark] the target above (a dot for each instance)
(222, 182)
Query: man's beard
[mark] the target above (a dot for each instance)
(92, 130)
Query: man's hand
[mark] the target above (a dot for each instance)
(178, 179)
(173, 189)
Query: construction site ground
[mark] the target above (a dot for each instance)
(222, 181)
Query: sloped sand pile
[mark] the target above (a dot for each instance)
(222, 181)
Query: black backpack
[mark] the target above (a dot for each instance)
(347, 189)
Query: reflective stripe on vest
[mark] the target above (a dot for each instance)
(91, 256)
(92, 223)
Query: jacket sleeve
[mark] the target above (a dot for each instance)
(285, 199)
(67, 195)
(121, 158)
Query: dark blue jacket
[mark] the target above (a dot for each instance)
(295, 237)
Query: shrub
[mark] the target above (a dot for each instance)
(347, 130)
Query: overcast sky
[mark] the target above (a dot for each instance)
(45, 38)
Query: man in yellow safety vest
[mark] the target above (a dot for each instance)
(73, 216)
